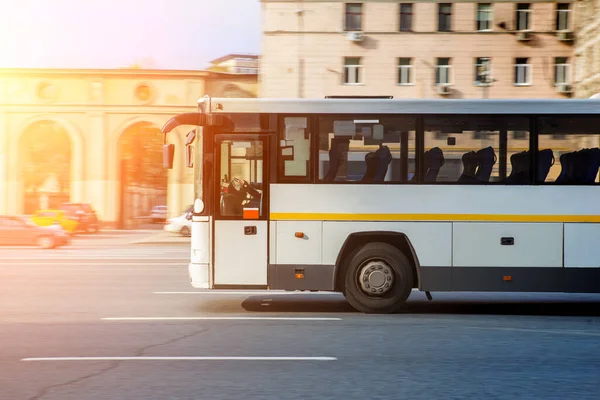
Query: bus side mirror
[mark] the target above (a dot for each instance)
(189, 156)
(168, 155)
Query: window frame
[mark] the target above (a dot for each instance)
(265, 138)
(357, 68)
(409, 15)
(566, 71)
(411, 74)
(278, 159)
(566, 19)
(444, 17)
(528, 69)
(489, 70)
(527, 15)
(316, 138)
(447, 67)
(490, 17)
(348, 13)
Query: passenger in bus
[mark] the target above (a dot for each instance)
(239, 192)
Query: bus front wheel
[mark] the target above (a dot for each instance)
(379, 279)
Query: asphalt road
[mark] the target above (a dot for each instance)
(161, 339)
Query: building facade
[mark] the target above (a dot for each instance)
(417, 49)
(92, 136)
(587, 49)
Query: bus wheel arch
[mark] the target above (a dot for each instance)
(355, 241)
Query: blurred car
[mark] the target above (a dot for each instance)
(50, 217)
(84, 214)
(158, 214)
(181, 224)
(17, 231)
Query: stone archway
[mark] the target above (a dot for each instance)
(45, 153)
(143, 180)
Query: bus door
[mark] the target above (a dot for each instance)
(240, 226)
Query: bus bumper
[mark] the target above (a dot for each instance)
(198, 275)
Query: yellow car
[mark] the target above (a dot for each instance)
(49, 217)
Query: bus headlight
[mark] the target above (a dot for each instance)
(198, 206)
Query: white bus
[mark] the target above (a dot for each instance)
(374, 197)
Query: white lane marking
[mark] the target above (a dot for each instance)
(533, 330)
(221, 319)
(77, 263)
(256, 293)
(150, 358)
(259, 292)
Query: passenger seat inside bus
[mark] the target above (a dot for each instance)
(519, 174)
(579, 167)
(477, 166)
(434, 160)
(335, 159)
(486, 158)
(470, 161)
(377, 164)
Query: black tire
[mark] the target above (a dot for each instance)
(393, 262)
(185, 231)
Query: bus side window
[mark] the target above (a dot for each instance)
(367, 149)
(569, 150)
(477, 150)
(294, 150)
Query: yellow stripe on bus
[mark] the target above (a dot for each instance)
(432, 217)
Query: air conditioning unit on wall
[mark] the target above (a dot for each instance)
(564, 88)
(444, 89)
(524, 36)
(565, 36)
(356, 36)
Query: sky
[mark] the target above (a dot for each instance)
(162, 34)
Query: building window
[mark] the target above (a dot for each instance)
(561, 70)
(442, 71)
(523, 11)
(522, 71)
(444, 17)
(482, 70)
(354, 16)
(405, 71)
(563, 13)
(406, 11)
(484, 17)
(352, 71)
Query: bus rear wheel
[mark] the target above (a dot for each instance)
(379, 279)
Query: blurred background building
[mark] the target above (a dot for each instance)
(587, 49)
(418, 49)
(92, 136)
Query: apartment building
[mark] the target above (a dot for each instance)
(417, 49)
(587, 49)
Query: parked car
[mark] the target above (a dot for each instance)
(84, 214)
(17, 231)
(181, 224)
(158, 214)
(50, 217)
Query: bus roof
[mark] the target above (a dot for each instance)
(400, 106)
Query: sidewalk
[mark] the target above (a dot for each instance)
(162, 238)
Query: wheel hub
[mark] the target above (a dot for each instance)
(376, 278)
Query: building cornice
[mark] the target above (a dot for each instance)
(103, 73)
(413, 1)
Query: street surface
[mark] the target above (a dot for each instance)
(109, 318)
